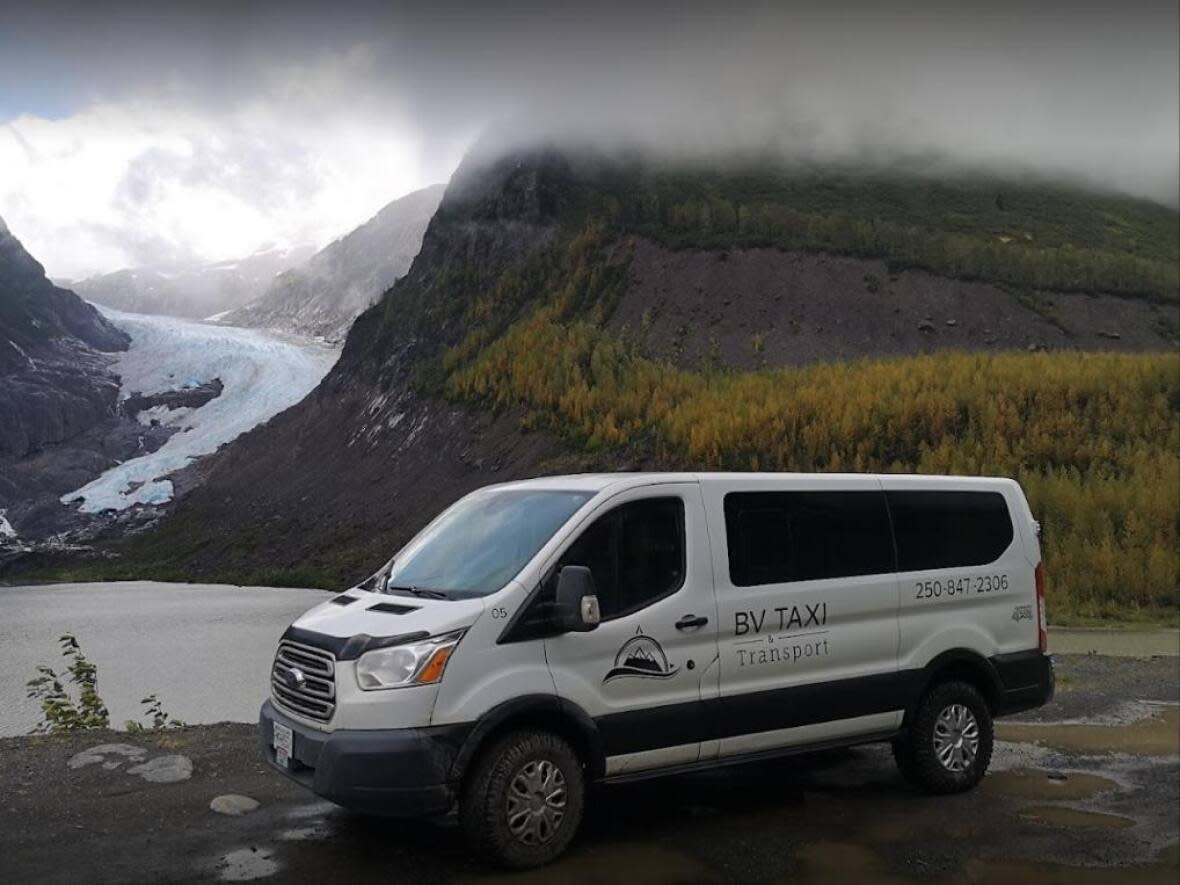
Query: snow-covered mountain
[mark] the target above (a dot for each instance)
(323, 296)
(195, 291)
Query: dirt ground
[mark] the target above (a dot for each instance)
(1083, 791)
(1119, 643)
(766, 307)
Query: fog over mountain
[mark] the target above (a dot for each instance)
(322, 296)
(194, 291)
(204, 132)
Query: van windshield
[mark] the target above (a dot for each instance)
(479, 544)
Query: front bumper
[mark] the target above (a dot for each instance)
(403, 772)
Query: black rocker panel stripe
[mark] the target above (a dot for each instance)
(670, 725)
(815, 702)
(653, 728)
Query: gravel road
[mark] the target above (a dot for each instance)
(1083, 791)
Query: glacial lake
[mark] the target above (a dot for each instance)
(205, 650)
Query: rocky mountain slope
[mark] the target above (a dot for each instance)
(55, 382)
(569, 312)
(195, 292)
(324, 295)
(59, 411)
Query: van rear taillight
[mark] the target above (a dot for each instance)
(1042, 618)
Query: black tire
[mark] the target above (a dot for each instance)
(484, 804)
(917, 751)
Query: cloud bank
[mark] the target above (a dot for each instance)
(201, 132)
(153, 179)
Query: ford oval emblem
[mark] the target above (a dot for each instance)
(295, 678)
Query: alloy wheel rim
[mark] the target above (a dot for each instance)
(956, 738)
(536, 802)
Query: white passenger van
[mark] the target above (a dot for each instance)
(539, 636)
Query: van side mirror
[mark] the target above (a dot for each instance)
(577, 600)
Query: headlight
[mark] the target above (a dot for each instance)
(421, 663)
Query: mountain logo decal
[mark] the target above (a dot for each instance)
(641, 656)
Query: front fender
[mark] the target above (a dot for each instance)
(539, 710)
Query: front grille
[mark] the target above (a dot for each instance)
(315, 695)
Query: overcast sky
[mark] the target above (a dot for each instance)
(147, 133)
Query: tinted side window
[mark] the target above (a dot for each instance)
(775, 537)
(635, 552)
(949, 529)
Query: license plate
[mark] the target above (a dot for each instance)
(284, 743)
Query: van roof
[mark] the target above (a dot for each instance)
(597, 482)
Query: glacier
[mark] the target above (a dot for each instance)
(262, 374)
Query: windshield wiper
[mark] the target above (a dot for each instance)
(418, 591)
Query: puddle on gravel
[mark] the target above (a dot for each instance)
(1013, 873)
(1158, 735)
(312, 809)
(899, 821)
(821, 863)
(1073, 818)
(611, 864)
(313, 833)
(825, 862)
(1034, 783)
(247, 864)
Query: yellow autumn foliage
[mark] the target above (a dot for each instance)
(1094, 438)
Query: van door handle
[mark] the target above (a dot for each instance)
(688, 622)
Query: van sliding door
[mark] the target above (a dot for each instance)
(808, 599)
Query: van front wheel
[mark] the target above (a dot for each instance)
(524, 800)
(948, 745)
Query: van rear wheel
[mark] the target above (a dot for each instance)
(524, 800)
(948, 745)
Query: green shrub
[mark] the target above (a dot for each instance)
(59, 711)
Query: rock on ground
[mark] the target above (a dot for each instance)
(233, 804)
(164, 769)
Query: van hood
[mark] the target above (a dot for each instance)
(359, 615)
